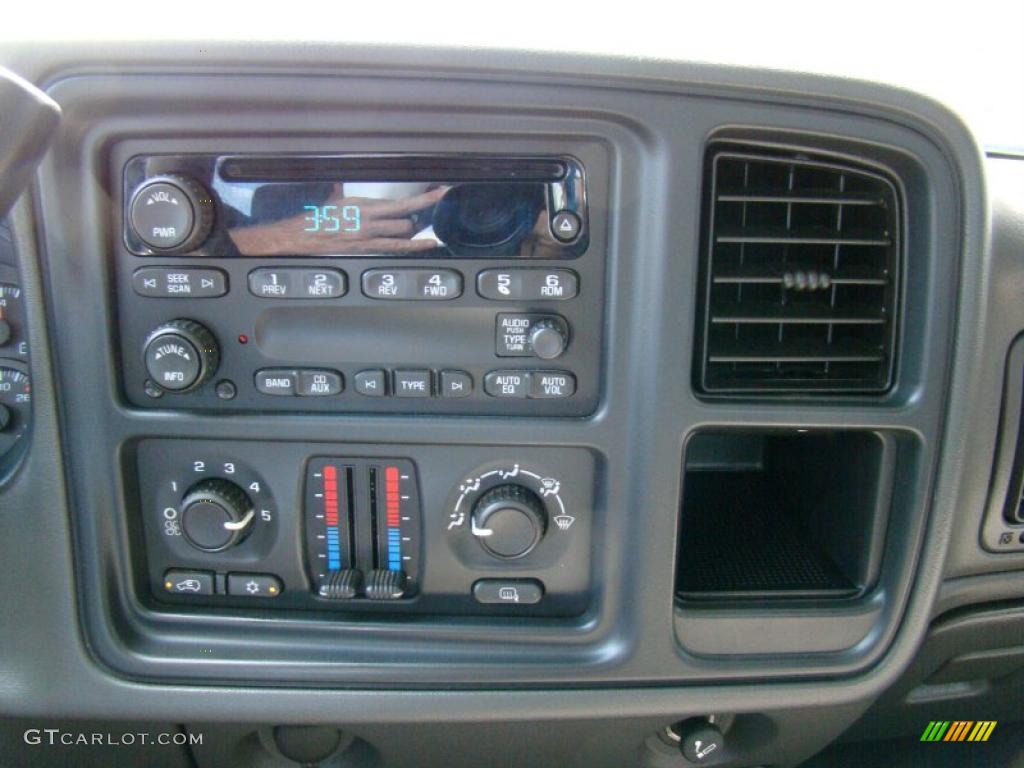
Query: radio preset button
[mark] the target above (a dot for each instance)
(276, 381)
(456, 384)
(271, 283)
(297, 283)
(179, 282)
(319, 383)
(548, 385)
(527, 284)
(507, 383)
(412, 284)
(371, 383)
(322, 284)
(412, 383)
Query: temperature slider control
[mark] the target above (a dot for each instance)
(362, 528)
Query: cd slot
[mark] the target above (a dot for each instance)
(378, 168)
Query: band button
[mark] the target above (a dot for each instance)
(276, 381)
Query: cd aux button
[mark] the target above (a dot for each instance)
(319, 383)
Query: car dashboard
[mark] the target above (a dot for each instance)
(398, 406)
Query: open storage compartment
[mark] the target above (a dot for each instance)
(780, 515)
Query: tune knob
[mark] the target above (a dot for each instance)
(180, 355)
(216, 514)
(171, 213)
(548, 339)
(509, 521)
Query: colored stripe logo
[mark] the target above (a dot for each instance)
(959, 730)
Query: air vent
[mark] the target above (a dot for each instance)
(801, 276)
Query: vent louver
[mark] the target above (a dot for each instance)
(800, 278)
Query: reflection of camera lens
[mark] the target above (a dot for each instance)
(475, 217)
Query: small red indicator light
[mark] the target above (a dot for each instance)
(243, 339)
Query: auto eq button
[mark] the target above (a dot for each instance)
(507, 383)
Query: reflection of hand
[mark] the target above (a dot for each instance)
(385, 227)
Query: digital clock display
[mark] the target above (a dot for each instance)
(332, 218)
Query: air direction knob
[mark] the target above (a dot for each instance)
(509, 521)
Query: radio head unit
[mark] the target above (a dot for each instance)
(403, 283)
(406, 206)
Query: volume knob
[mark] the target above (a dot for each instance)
(171, 213)
(509, 521)
(180, 355)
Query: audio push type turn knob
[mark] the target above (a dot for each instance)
(547, 339)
